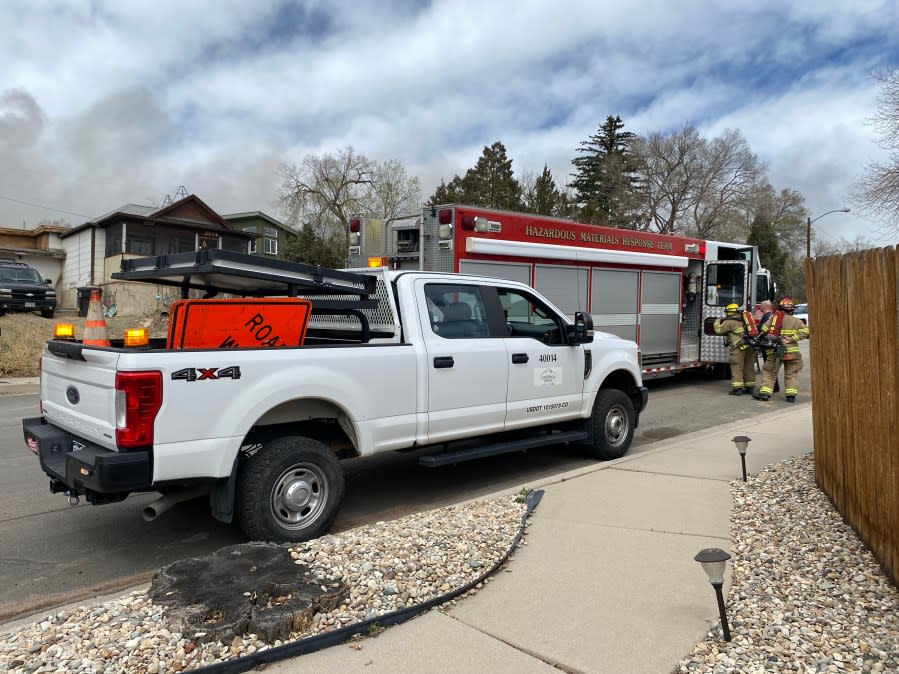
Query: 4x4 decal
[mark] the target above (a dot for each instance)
(201, 373)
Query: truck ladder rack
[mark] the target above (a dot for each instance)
(460, 455)
(220, 271)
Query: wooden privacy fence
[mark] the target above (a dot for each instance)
(854, 322)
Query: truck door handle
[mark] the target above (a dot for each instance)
(519, 358)
(443, 361)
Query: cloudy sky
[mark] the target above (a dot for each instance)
(108, 102)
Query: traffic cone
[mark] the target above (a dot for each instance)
(95, 333)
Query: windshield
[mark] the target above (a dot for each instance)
(20, 274)
(801, 309)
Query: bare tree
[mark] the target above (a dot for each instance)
(692, 185)
(729, 170)
(392, 192)
(324, 191)
(876, 193)
(669, 166)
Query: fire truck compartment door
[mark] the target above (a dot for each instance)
(510, 271)
(466, 369)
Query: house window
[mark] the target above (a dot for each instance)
(253, 246)
(271, 231)
(271, 246)
(234, 244)
(250, 229)
(180, 242)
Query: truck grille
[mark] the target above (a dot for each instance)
(28, 295)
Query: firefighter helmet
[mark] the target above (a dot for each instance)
(732, 309)
(786, 305)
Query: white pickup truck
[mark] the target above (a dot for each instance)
(433, 358)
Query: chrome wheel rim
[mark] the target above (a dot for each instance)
(299, 496)
(617, 425)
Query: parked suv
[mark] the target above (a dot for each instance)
(23, 289)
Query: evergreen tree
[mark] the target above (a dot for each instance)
(606, 176)
(310, 248)
(448, 193)
(490, 183)
(544, 198)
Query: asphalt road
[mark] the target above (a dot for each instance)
(53, 553)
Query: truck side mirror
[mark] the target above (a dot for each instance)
(582, 330)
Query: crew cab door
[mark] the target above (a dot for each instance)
(467, 368)
(546, 373)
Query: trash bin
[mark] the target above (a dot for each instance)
(84, 298)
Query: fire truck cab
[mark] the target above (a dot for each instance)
(661, 291)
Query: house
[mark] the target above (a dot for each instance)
(273, 235)
(95, 249)
(40, 248)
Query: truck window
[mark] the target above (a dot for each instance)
(528, 317)
(724, 284)
(456, 311)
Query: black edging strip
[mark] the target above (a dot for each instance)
(328, 639)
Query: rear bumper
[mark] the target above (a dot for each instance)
(75, 465)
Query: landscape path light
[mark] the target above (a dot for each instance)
(713, 562)
(742, 442)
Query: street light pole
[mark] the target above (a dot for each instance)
(808, 228)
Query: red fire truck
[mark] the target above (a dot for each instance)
(659, 290)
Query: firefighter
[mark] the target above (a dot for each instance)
(738, 329)
(782, 331)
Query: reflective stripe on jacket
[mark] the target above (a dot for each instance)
(788, 327)
(732, 329)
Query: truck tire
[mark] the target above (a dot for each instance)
(289, 491)
(612, 424)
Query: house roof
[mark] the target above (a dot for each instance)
(258, 215)
(190, 212)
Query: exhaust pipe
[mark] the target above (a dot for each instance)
(160, 505)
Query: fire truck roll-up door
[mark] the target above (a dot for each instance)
(660, 317)
(565, 287)
(508, 271)
(615, 300)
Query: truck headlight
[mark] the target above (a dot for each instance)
(5, 292)
(51, 293)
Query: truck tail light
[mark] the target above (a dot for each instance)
(355, 225)
(138, 398)
(445, 216)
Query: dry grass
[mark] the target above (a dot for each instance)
(22, 337)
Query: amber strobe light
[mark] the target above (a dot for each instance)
(136, 337)
(64, 331)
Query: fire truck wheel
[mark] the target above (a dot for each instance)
(612, 424)
(288, 491)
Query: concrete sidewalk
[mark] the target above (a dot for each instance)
(607, 581)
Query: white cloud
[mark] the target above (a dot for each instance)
(109, 102)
